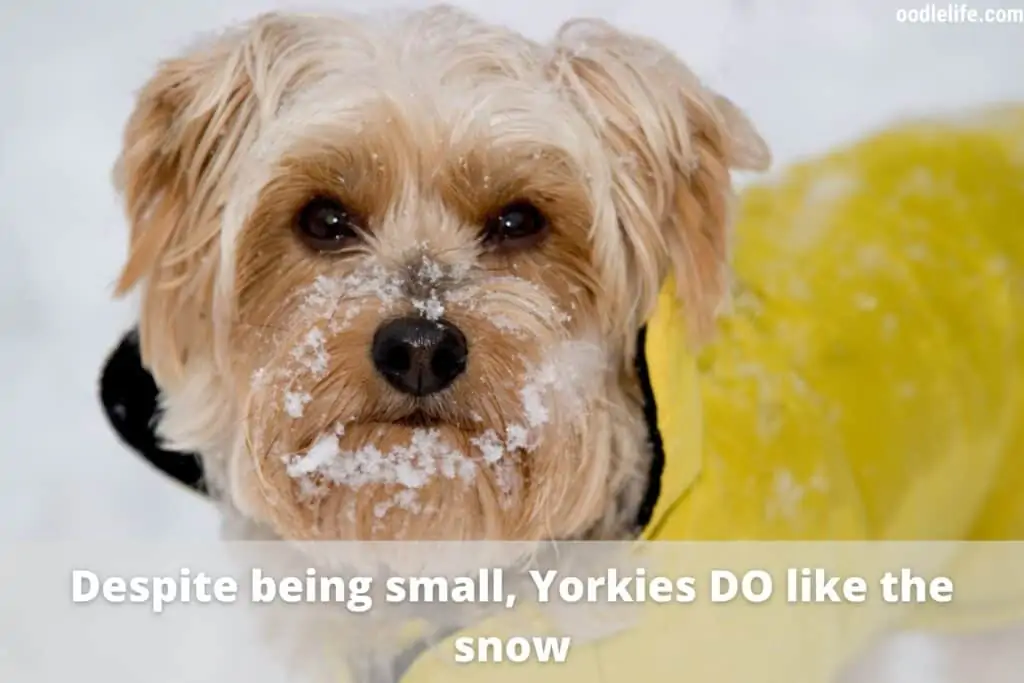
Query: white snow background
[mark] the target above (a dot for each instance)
(811, 73)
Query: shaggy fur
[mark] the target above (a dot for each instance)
(422, 125)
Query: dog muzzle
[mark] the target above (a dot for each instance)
(667, 376)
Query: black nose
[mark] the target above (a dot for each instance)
(419, 356)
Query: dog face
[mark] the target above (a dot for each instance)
(393, 267)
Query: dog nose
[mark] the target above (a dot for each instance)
(419, 356)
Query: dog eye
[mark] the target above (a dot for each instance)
(326, 225)
(518, 223)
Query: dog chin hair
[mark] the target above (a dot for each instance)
(393, 266)
(524, 461)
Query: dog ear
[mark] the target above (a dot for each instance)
(181, 149)
(674, 142)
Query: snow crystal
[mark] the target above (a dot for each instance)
(309, 490)
(312, 352)
(534, 407)
(259, 379)
(295, 403)
(320, 455)
(563, 376)
(459, 271)
(517, 437)
(327, 294)
(430, 274)
(505, 478)
(430, 271)
(431, 308)
(406, 499)
(491, 447)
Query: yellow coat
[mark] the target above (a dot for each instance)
(867, 385)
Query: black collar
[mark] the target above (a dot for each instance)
(131, 402)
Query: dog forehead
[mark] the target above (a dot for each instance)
(431, 95)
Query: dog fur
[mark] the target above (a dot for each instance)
(422, 125)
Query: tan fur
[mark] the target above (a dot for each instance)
(423, 124)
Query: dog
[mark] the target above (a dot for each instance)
(392, 267)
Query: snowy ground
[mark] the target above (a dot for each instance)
(810, 72)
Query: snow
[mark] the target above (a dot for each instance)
(295, 403)
(810, 73)
(491, 447)
(340, 299)
(311, 353)
(411, 465)
(559, 380)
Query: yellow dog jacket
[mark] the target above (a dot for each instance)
(868, 384)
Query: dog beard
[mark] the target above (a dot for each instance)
(509, 452)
